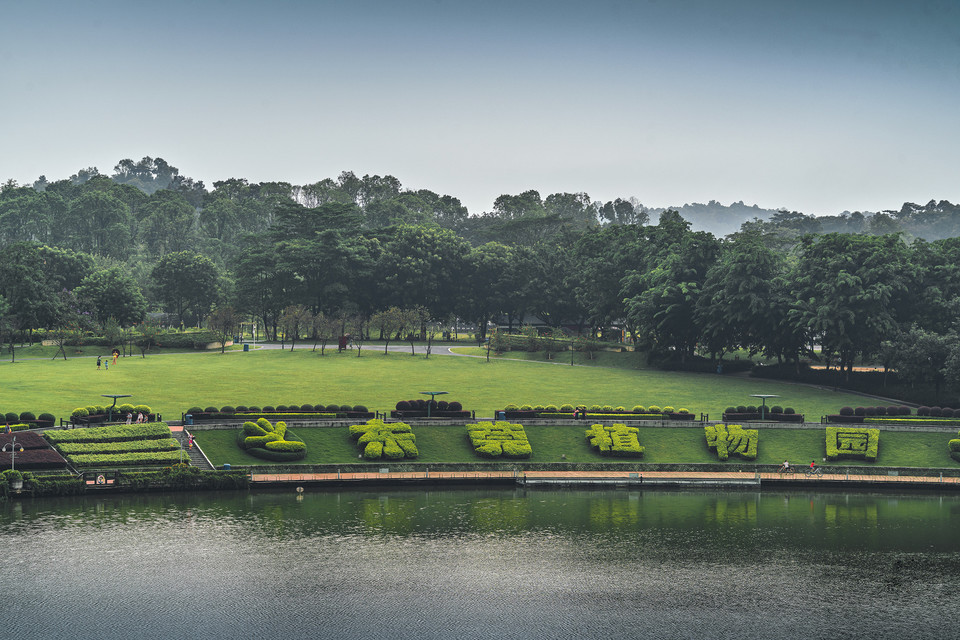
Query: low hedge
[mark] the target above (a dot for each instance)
(115, 433)
(127, 446)
(767, 417)
(137, 458)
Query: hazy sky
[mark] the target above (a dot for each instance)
(816, 106)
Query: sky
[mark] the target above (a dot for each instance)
(812, 106)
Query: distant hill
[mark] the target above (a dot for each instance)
(716, 218)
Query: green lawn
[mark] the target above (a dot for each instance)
(568, 444)
(171, 383)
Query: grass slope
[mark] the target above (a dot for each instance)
(172, 383)
(568, 444)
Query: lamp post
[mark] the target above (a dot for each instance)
(763, 404)
(110, 408)
(432, 394)
(14, 449)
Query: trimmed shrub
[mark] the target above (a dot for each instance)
(617, 440)
(491, 440)
(743, 409)
(333, 408)
(778, 409)
(946, 412)
(669, 409)
(881, 411)
(346, 407)
(637, 408)
(733, 410)
(360, 408)
(282, 408)
(860, 411)
(850, 442)
(454, 406)
(904, 410)
(391, 441)
(607, 408)
(653, 409)
(566, 408)
(80, 412)
(550, 408)
(307, 408)
(242, 408)
(936, 412)
(526, 407)
(511, 407)
(846, 411)
(253, 409)
(227, 409)
(27, 416)
(789, 411)
(47, 419)
(269, 408)
(732, 440)
(752, 409)
(923, 410)
(11, 417)
(294, 408)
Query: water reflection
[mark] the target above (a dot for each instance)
(484, 563)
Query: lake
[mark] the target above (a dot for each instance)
(482, 563)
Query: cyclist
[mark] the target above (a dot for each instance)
(784, 468)
(813, 466)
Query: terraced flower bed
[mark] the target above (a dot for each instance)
(122, 445)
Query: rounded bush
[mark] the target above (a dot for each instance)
(144, 409)
(669, 409)
(126, 406)
(596, 408)
(639, 408)
(550, 408)
(860, 411)
(936, 412)
(903, 410)
(923, 410)
(454, 406)
(15, 417)
(227, 409)
(79, 412)
(566, 408)
(442, 405)
(194, 410)
(254, 409)
(653, 409)
(346, 407)
(741, 409)
(333, 408)
(269, 408)
(683, 411)
(211, 409)
(47, 418)
(893, 410)
(778, 409)
(946, 412)
(526, 407)
(282, 408)
(242, 408)
(846, 411)
(26, 416)
(881, 411)
(538, 407)
(789, 411)
(607, 408)
(730, 410)
(511, 407)
(870, 411)
(293, 408)
(306, 408)
(620, 409)
(403, 405)
(752, 409)
(359, 408)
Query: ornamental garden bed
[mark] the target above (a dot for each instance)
(617, 440)
(732, 439)
(268, 441)
(280, 412)
(852, 442)
(593, 412)
(37, 453)
(119, 445)
(898, 415)
(377, 440)
(27, 420)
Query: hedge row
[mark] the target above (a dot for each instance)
(136, 458)
(501, 439)
(850, 442)
(391, 441)
(954, 446)
(115, 433)
(280, 408)
(732, 439)
(594, 408)
(617, 440)
(129, 446)
(18, 420)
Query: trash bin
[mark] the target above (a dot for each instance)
(501, 415)
(226, 466)
(188, 418)
(246, 347)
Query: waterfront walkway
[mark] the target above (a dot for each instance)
(613, 478)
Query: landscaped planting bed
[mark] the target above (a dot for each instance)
(595, 412)
(271, 441)
(491, 440)
(851, 442)
(732, 439)
(120, 445)
(616, 440)
(394, 441)
(279, 412)
(37, 453)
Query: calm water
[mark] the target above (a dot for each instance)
(482, 563)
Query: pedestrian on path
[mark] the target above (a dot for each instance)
(129, 417)
(99, 360)
(190, 442)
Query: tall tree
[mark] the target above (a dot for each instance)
(187, 284)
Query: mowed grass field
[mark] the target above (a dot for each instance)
(449, 444)
(171, 383)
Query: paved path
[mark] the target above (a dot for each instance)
(585, 477)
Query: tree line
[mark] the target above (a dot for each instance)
(94, 249)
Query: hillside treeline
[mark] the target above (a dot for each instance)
(93, 250)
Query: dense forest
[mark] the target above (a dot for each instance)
(146, 246)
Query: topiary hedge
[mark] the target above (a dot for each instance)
(270, 442)
(617, 440)
(732, 440)
(394, 441)
(504, 439)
